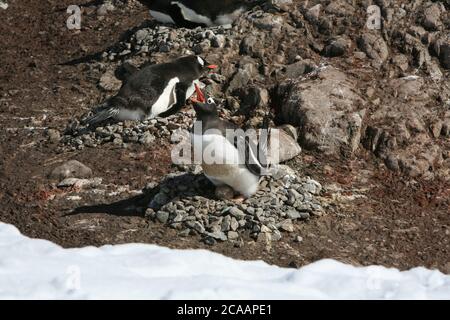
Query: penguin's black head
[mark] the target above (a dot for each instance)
(204, 107)
(208, 108)
(200, 65)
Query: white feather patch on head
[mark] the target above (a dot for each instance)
(201, 61)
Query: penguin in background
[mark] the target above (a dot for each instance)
(239, 162)
(158, 90)
(198, 13)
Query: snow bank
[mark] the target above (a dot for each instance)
(38, 269)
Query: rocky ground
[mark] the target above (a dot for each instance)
(371, 107)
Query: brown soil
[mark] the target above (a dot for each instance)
(396, 222)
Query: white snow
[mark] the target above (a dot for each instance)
(38, 269)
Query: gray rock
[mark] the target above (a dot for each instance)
(162, 216)
(226, 224)
(328, 110)
(218, 236)
(264, 237)
(53, 135)
(80, 183)
(340, 8)
(267, 21)
(218, 41)
(281, 3)
(147, 139)
(313, 13)
(293, 214)
(312, 187)
(141, 35)
(71, 169)
(241, 78)
(374, 46)
(282, 147)
(202, 47)
(432, 17)
(232, 235)
(286, 225)
(337, 48)
(300, 68)
(105, 8)
(199, 227)
(442, 49)
(234, 224)
(237, 213)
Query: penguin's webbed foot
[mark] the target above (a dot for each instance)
(239, 199)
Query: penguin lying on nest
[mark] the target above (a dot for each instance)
(156, 90)
(197, 13)
(236, 160)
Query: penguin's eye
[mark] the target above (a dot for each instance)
(211, 101)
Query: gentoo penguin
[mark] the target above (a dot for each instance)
(156, 90)
(195, 13)
(229, 157)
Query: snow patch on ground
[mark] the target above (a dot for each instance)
(39, 269)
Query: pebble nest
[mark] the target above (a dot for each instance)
(186, 202)
(158, 38)
(77, 137)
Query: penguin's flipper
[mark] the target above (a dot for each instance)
(248, 153)
(264, 142)
(179, 99)
(177, 15)
(256, 152)
(100, 116)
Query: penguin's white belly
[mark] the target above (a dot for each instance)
(127, 114)
(220, 163)
(166, 100)
(193, 16)
(161, 17)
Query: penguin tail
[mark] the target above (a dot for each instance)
(100, 116)
(264, 142)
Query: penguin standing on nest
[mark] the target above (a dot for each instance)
(156, 90)
(197, 13)
(236, 161)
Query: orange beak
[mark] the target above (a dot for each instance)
(212, 66)
(200, 95)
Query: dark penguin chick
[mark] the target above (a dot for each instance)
(229, 156)
(156, 90)
(195, 13)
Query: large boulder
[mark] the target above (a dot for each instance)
(407, 130)
(327, 109)
(441, 47)
(373, 44)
